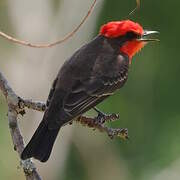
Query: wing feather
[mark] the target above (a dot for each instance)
(89, 94)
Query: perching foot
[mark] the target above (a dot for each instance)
(102, 117)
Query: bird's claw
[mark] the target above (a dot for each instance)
(118, 132)
(102, 118)
(111, 132)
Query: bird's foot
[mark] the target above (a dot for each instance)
(102, 117)
(112, 132)
(117, 132)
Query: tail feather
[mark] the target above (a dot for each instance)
(41, 144)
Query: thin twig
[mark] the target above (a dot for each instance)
(25, 43)
(35, 105)
(137, 7)
(111, 132)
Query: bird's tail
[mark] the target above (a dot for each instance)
(41, 144)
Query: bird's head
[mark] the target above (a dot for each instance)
(131, 35)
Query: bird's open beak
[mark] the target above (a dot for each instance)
(145, 36)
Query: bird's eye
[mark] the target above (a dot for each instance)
(131, 35)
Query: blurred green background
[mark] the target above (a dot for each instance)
(149, 104)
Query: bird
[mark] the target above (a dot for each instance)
(93, 73)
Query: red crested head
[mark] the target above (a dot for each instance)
(119, 28)
(132, 45)
(116, 29)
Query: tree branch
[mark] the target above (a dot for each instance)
(13, 110)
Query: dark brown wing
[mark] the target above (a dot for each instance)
(87, 94)
(83, 97)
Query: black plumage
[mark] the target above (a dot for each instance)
(93, 73)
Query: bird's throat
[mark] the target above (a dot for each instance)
(131, 48)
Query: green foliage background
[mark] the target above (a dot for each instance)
(149, 104)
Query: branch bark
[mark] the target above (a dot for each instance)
(14, 108)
